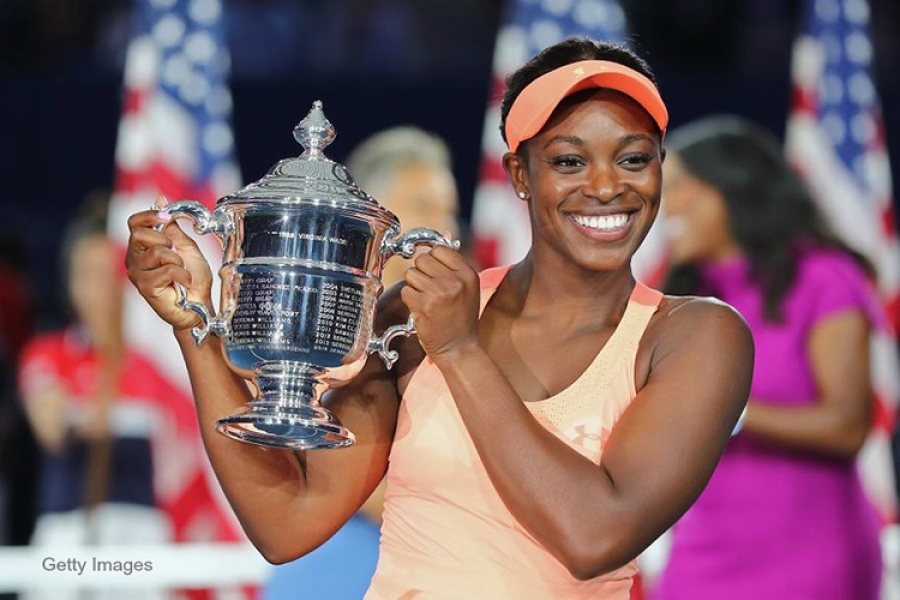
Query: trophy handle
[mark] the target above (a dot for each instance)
(405, 244)
(204, 222)
(380, 344)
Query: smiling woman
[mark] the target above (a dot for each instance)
(552, 418)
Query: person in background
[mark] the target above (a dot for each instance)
(95, 408)
(409, 171)
(784, 515)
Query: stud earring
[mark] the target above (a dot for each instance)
(522, 195)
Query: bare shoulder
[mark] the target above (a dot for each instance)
(703, 332)
(678, 312)
(681, 315)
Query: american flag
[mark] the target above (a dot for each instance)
(501, 232)
(175, 139)
(835, 137)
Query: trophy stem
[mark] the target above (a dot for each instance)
(287, 413)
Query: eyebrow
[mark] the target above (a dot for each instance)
(565, 139)
(577, 141)
(636, 137)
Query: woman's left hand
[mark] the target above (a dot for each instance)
(442, 295)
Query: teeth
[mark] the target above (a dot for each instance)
(602, 223)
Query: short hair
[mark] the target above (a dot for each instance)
(376, 160)
(568, 51)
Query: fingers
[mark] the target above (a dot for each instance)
(153, 258)
(448, 257)
(416, 280)
(152, 217)
(148, 218)
(150, 249)
(158, 282)
(438, 260)
(144, 239)
(151, 228)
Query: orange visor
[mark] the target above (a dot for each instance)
(534, 105)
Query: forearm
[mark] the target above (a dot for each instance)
(816, 428)
(261, 484)
(542, 481)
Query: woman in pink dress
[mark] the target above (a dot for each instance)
(784, 515)
(551, 418)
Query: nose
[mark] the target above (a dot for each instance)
(602, 182)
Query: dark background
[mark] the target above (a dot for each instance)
(374, 63)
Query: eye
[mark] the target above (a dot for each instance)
(636, 161)
(567, 162)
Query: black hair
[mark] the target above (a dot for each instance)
(88, 221)
(568, 51)
(770, 208)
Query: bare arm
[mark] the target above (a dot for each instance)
(291, 502)
(837, 423)
(46, 412)
(288, 503)
(53, 418)
(595, 518)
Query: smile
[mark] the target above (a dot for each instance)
(604, 223)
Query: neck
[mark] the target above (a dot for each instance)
(570, 294)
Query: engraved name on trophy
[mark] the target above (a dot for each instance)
(304, 249)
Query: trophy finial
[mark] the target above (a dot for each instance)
(315, 131)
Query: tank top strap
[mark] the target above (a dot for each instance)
(490, 278)
(646, 296)
(642, 305)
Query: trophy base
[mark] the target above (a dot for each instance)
(286, 425)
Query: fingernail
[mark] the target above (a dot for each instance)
(164, 216)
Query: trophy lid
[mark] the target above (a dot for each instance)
(311, 177)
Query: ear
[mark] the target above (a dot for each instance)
(517, 171)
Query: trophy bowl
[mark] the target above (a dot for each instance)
(304, 249)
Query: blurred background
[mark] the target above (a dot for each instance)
(374, 63)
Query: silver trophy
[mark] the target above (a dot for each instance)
(304, 249)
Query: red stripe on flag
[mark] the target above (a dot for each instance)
(892, 307)
(492, 170)
(133, 101)
(485, 250)
(803, 100)
(157, 176)
(882, 415)
(498, 88)
(888, 222)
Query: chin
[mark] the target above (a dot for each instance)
(605, 262)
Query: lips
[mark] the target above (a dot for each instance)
(602, 223)
(607, 228)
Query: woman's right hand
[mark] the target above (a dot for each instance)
(157, 259)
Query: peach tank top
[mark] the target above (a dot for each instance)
(446, 532)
